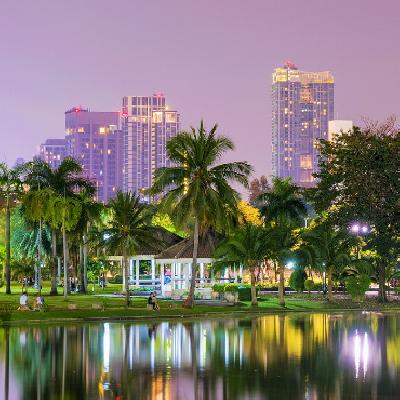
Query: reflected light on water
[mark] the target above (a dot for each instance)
(360, 353)
(296, 357)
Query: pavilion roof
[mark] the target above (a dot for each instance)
(163, 240)
(184, 249)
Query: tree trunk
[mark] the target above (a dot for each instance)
(8, 251)
(85, 263)
(382, 282)
(281, 288)
(253, 286)
(54, 262)
(125, 268)
(189, 302)
(330, 295)
(81, 268)
(65, 253)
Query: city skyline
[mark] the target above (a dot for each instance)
(221, 73)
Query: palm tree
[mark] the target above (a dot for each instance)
(283, 209)
(90, 213)
(10, 189)
(283, 203)
(248, 245)
(332, 248)
(197, 186)
(66, 180)
(129, 229)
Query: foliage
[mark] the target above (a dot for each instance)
(230, 287)
(218, 287)
(244, 292)
(297, 279)
(249, 214)
(358, 180)
(129, 229)
(257, 187)
(357, 285)
(309, 285)
(248, 245)
(164, 220)
(283, 204)
(198, 187)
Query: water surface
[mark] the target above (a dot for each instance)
(297, 356)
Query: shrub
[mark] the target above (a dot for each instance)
(218, 287)
(244, 292)
(230, 287)
(357, 285)
(297, 278)
(117, 279)
(309, 285)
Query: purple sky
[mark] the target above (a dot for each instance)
(212, 58)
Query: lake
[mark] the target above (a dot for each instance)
(295, 356)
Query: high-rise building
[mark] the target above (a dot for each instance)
(302, 105)
(338, 126)
(53, 151)
(147, 125)
(95, 140)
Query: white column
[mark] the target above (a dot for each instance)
(188, 268)
(153, 271)
(131, 263)
(172, 276)
(162, 279)
(201, 273)
(137, 263)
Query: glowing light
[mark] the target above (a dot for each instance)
(290, 265)
(106, 347)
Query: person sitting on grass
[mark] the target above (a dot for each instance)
(23, 302)
(38, 305)
(154, 301)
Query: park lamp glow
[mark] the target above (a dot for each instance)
(106, 236)
(290, 264)
(359, 228)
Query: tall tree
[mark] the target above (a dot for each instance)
(198, 187)
(248, 245)
(66, 181)
(331, 247)
(10, 189)
(359, 180)
(129, 229)
(257, 187)
(284, 210)
(90, 213)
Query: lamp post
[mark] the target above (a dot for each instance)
(359, 229)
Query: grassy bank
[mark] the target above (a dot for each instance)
(97, 307)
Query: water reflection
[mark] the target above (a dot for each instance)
(306, 356)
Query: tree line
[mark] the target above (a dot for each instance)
(358, 183)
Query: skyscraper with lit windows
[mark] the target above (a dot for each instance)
(94, 139)
(147, 125)
(53, 151)
(302, 105)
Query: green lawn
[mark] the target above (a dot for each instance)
(57, 309)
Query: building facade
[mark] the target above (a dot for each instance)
(147, 125)
(94, 139)
(53, 151)
(339, 126)
(302, 106)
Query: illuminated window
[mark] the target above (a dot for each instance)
(305, 162)
(109, 151)
(81, 130)
(102, 130)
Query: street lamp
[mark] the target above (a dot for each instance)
(359, 229)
